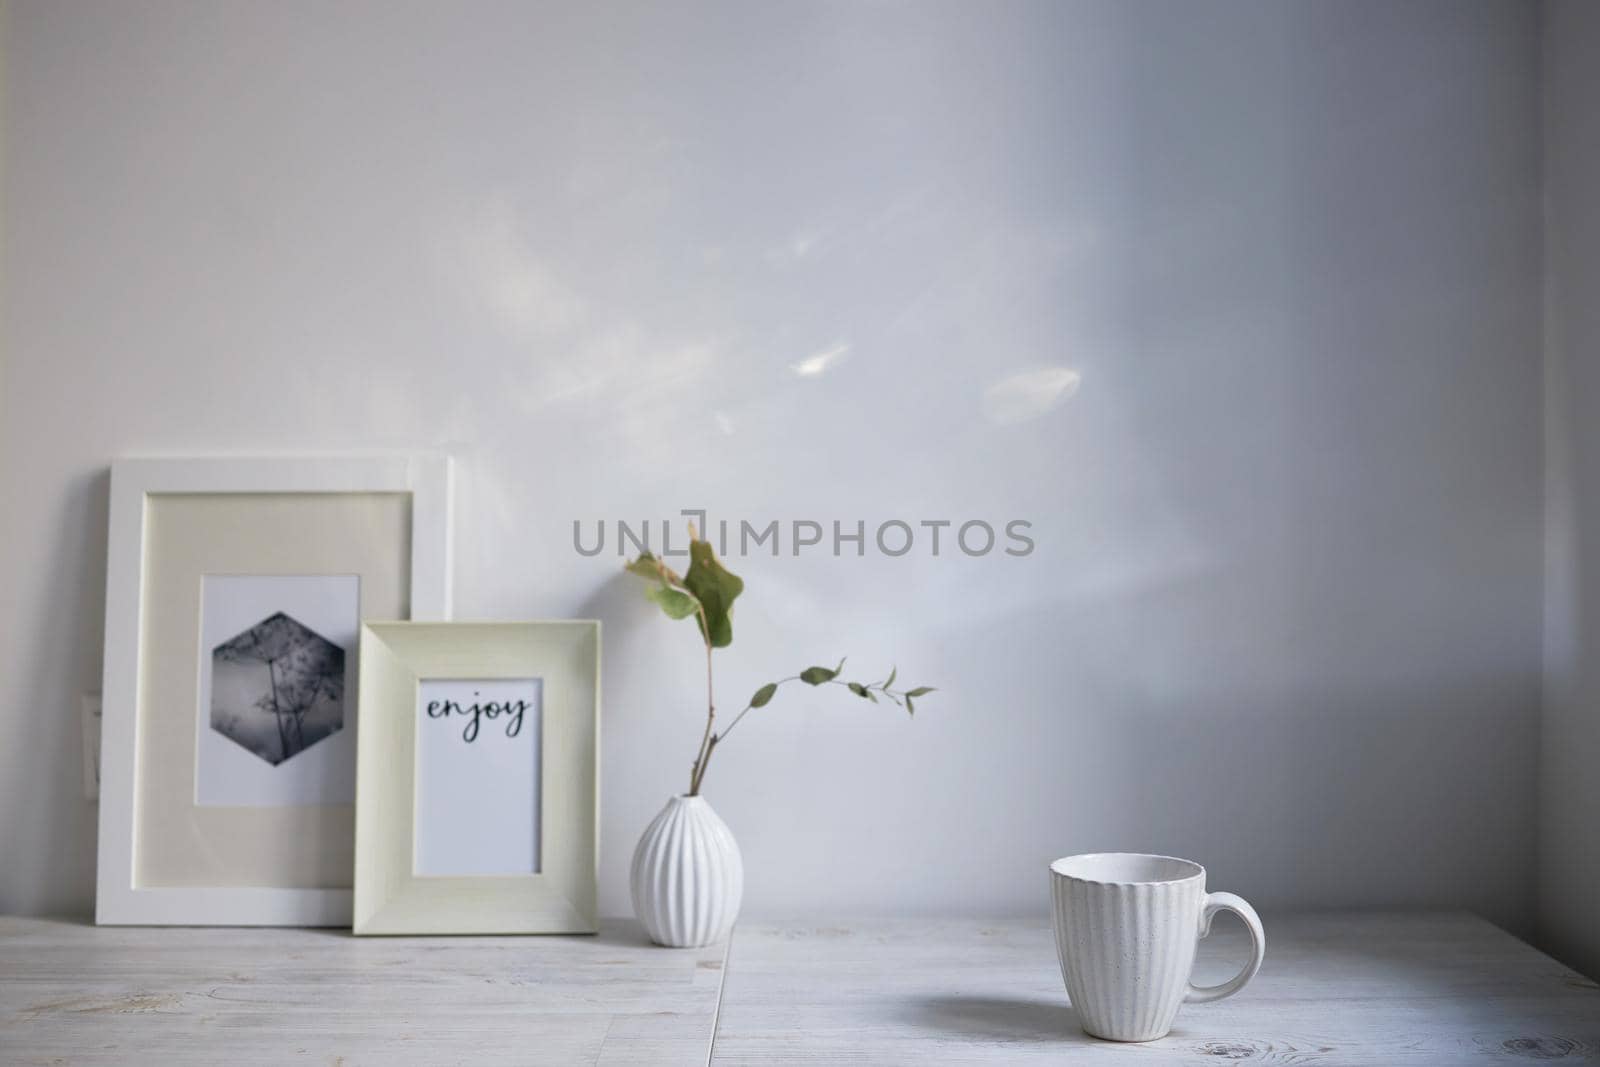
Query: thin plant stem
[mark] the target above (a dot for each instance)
(747, 707)
(704, 753)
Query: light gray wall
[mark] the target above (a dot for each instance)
(1284, 612)
(1569, 815)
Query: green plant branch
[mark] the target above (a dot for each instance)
(763, 696)
(747, 707)
(682, 605)
(707, 592)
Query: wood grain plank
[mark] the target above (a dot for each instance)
(73, 993)
(1335, 989)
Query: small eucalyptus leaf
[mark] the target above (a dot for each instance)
(858, 689)
(911, 709)
(675, 602)
(817, 675)
(921, 690)
(715, 587)
(892, 672)
(763, 695)
(646, 566)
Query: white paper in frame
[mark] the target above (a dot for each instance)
(476, 729)
(261, 524)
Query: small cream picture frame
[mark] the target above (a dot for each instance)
(398, 660)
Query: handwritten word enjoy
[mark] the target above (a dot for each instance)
(491, 710)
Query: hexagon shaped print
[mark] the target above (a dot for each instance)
(277, 688)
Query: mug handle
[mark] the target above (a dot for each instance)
(1216, 902)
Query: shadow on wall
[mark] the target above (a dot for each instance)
(1414, 793)
(1351, 686)
(57, 649)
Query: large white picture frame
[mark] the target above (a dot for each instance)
(135, 485)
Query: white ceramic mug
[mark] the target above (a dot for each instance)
(1126, 928)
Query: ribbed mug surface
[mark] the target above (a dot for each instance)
(687, 877)
(1127, 947)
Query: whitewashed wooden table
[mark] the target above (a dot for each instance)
(1336, 989)
(74, 993)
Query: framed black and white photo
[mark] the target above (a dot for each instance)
(276, 721)
(477, 809)
(235, 593)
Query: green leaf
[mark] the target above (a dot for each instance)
(872, 696)
(817, 675)
(892, 672)
(911, 709)
(857, 688)
(763, 695)
(646, 566)
(921, 690)
(715, 587)
(675, 602)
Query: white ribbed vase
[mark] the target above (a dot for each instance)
(1126, 928)
(687, 877)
